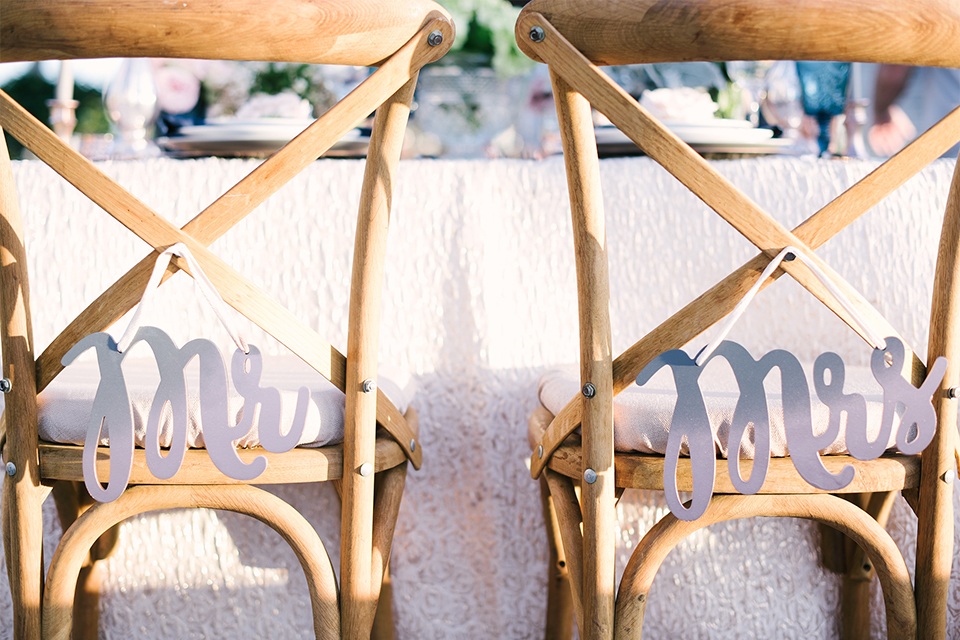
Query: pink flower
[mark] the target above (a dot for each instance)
(178, 90)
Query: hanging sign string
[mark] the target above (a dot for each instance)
(789, 253)
(203, 283)
(111, 411)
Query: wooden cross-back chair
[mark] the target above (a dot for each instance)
(399, 39)
(573, 37)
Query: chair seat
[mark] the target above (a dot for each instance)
(65, 405)
(642, 415)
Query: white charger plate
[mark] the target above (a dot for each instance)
(717, 136)
(252, 138)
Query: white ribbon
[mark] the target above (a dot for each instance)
(876, 340)
(199, 277)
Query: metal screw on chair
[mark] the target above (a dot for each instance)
(540, 451)
(953, 392)
(11, 469)
(413, 444)
(589, 390)
(435, 39)
(950, 476)
(5, 385)
(366, 469)
(590, 476)
(537, 34)
(369, 386)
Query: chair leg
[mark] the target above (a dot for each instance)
(566, 506)
(559, 597)
(359, 588)
(72, 500)
(383, 620)
(389, 490)
(22, 524)
(586, 208)
(842, 555)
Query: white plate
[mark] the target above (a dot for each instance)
(699, 133)
(257, 138)
(261, 129)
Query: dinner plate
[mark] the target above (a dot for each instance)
(241, 138)
(737, 132)
(260, 129)
(718, 136)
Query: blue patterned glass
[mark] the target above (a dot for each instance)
(824, 89)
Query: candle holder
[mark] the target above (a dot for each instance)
(63, 117)
(131, 102)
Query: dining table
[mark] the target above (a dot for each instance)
(479, 299)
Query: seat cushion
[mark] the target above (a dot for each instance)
(65, 405)
(642, 415)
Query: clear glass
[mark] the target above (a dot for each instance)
(750, 77)
(130, 100)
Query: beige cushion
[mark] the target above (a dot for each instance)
(642, 415)
(65, 405)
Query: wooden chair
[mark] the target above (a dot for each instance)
(572, 38)
(399, 39)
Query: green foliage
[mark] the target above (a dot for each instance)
(485, 27)
(32, 91)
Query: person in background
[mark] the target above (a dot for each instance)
(893, 128)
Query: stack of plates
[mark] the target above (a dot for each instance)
(715, 136)
(245, 138)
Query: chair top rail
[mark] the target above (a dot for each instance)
(349, 32)
(919, 32)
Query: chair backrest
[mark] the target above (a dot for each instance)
(574, 37)
(351, 32)
(297, 31)
(647, 31)
(399, 38)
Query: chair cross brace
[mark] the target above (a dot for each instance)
(217, 219)
(737, 209)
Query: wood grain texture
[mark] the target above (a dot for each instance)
(241, 199)
(935, 518)
(359, 587)
(830, 510)
(388, 493)
(64, 462)
(718, 301)
(570, 522)
(272, 511)
(643, 31)
(227, 211)
(159, 233)
(700, 177)
(22, 494)
(645, 471)
(559, 590)
(593, 297)
(353, 32)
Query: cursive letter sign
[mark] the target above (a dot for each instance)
(690, 420)
(111, 408)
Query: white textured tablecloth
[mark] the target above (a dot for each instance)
(480, 297)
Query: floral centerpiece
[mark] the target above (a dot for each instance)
(471, 94)
(485, 36)
(191, 91)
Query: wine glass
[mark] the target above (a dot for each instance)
(824, 89)
(130, 100)
(750, 77)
